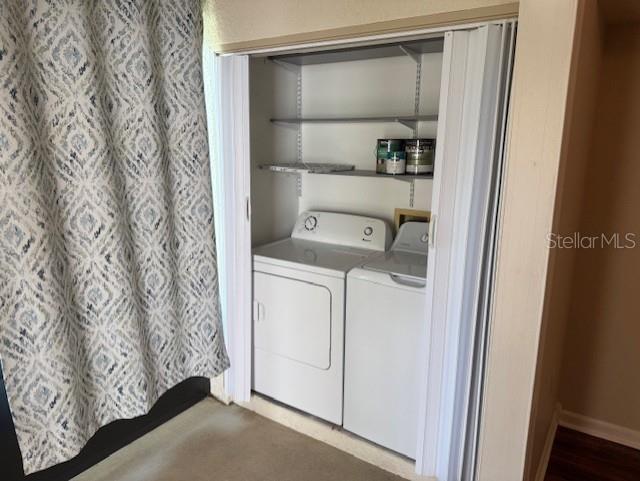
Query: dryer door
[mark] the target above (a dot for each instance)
(292, 319)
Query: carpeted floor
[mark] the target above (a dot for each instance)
(211, 441)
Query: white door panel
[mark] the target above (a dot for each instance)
(292, 319)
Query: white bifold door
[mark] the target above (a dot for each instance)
(465, 208)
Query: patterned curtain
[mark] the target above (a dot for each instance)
(108, 282)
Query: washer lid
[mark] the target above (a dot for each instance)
(399, 263)
(314, 256)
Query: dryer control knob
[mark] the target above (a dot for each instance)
(368, 230)
(310, 222)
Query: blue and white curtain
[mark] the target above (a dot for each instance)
(108, 278)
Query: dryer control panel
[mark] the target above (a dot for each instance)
(343, 229)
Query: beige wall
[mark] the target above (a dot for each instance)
(601, 375)
(229, 23)
(576, 154)
(590, 342)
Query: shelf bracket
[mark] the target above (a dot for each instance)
(415, 56)
(290, 125)
(286, 65)
(412, 192)
(299, 185)
(408, 123)
(416, 101)
(299, 115)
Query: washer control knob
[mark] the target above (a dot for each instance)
(311, 222)
(424, 238)
(368, 230)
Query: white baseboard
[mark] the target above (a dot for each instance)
(336, 437)
(601, 429)
(548, 444)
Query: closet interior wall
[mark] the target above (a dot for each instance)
(360, 88)
(274, 198)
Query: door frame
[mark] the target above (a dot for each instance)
(442, 351)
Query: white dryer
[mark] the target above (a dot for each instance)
(299, 307)
(386, 324)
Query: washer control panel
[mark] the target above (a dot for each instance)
(343, 229)
(412, 237)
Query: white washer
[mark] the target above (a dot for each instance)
(384, 326)
(299, 291)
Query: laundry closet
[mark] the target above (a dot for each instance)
(316, 121)
(374, 173)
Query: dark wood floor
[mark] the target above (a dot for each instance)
(580, 457)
